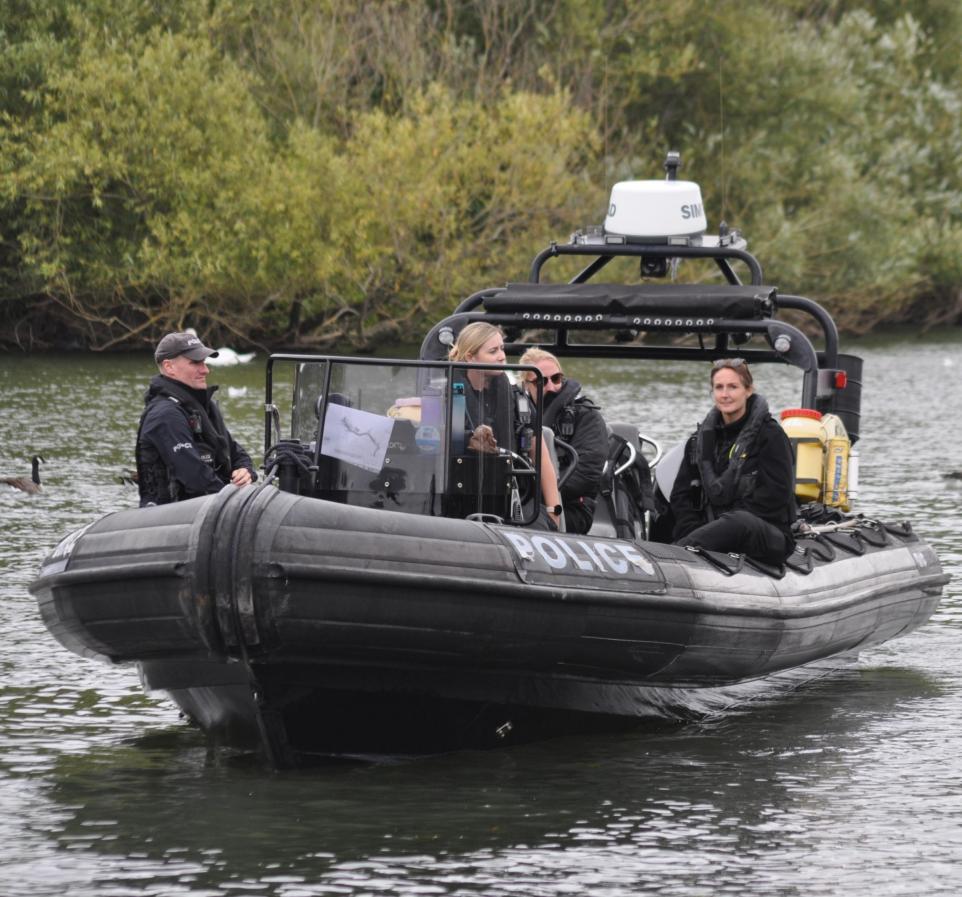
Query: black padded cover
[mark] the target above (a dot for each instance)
(704, 300)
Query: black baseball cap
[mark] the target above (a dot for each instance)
(176, 344)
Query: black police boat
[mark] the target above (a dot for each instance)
(386, 589)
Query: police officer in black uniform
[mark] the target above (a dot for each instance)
(483, 343)
(184, 449)
(575, 419)
(735, 488)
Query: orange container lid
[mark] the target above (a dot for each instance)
(801, 412)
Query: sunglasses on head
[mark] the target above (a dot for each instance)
(720, 363)
(556, 378)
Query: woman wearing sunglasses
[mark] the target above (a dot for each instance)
(735, 489)
(577, 421)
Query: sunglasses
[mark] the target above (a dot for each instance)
(556, 378)
(720, 363)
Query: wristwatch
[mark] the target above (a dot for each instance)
(554, 509)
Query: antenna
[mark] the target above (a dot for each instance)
(721, 127)
(672, 164)
(604, 93)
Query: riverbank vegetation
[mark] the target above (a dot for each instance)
(333, 174)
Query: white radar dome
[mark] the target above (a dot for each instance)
(654, 211)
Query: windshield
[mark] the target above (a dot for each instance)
(427, 438)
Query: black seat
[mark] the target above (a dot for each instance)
(626, 488)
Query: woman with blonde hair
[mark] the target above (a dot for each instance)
(576, 420)
(488, 401)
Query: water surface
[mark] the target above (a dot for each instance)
(849, 785)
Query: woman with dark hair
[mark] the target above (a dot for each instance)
(488, 402)
(735, 489)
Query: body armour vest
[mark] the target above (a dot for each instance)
(155, 480)
(721, 490)
(561, 412)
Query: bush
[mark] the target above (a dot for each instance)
(331, 173)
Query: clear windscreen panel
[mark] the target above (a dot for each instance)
(309, 383)
(437, 440)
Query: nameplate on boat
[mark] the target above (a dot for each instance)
(543, 558)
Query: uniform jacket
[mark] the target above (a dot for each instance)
(764, 480)
(183, 447)
(576, 420)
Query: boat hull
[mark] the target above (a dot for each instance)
(304, 625)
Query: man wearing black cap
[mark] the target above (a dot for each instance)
(183, 447)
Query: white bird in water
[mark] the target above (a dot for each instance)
(30, 486)
(227, 357)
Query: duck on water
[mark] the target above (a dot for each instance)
(387, 588)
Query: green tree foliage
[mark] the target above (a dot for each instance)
(329, 173)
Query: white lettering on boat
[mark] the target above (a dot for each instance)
(580, 562)
(550, 552)
(593, 556)
(619, 565)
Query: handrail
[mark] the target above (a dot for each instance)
(652, 250)
(655, 445)
(632, 456)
